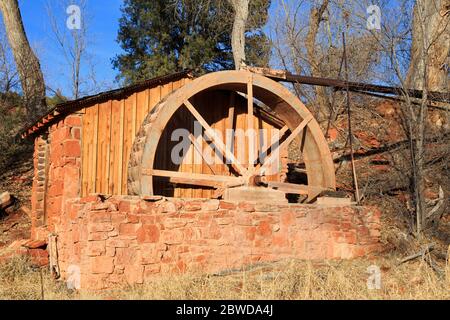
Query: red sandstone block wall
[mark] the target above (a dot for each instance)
(129, 240)
(57, 163)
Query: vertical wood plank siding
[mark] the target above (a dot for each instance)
(109, 129)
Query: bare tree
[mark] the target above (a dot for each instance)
(9, 77)
(429, 51)
(240, 8)
(422, 66)
(308, 40)
(316, 17)
(28, 66)
(434, 38)
(73, 46)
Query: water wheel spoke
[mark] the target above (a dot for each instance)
(198, 148)
(265, 152)
(231, 123)
(283, 145)
(197, 179)
(250, 127)
(216, 140)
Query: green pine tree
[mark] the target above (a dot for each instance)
(164, 36)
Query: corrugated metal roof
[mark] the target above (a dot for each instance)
(66, 108)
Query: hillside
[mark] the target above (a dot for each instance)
(381, 150)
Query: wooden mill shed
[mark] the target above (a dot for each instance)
(120, 142)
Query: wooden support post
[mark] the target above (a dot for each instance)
(250, 128)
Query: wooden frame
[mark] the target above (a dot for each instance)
(289, 109)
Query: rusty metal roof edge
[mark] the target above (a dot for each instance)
(69, 107)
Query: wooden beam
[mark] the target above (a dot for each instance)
(217, 141)
(230, 122)
(296, 188)
(231, 110)
(199, 179)
(268, 72)
(250, 126)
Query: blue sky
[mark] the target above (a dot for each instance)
(103, 21)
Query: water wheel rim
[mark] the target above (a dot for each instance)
(317, 157)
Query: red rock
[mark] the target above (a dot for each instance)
(72, 148)
(148, 234)
(250, 233)
(128, 256)
(332, 134)
(39, 257)
(193, 206)
(227, 205)
(102, 264)
(134, 274)
(246, 206)
(171, 236)
(264, 229)
(76, 133)
(73, 121)
(35, 244)
(96, 248)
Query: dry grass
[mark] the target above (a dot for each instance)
(20, 281)
(284, 280)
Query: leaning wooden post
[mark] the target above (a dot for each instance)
(355, 178)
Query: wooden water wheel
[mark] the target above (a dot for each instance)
(219, 103)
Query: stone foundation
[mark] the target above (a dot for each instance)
(126, 239)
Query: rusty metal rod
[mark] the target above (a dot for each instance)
(361, 87)
(396, 98)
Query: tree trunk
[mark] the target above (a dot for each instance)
(30, 73)
(240, 8)
(315, 18)
(428, 71)
(436, 37)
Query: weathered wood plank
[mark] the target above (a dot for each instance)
(114, 158)
(121, 179)
(104, 125)
(95, 155)
(250, 126)
(128, 138)
(295, 188)
(217, 141)
(195, 178)
(86, 143)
